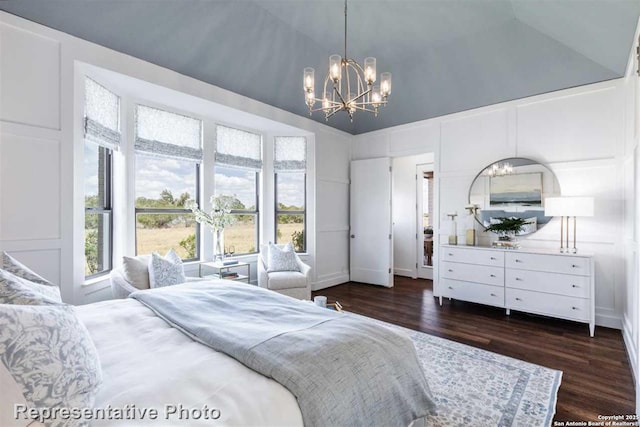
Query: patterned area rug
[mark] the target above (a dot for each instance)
(474, 387)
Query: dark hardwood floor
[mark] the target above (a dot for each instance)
(597, 378)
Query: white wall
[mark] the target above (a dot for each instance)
(578, 133)
(41, 197)
(405, 213)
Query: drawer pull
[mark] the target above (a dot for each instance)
(450, 271)
(574, 286)
(493, 275)
(574, 266)
(519, 279)
(574, 308)
(450, 287)
(518, 299)
(494, 295)
(450, 254)
(517, 260)
(492, 258)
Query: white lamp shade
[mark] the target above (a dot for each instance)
(568, 206)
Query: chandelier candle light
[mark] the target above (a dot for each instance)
(348, 86)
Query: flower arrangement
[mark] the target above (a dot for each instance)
(219, 218)
(507, 228)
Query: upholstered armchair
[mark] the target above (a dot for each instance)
(296, 284)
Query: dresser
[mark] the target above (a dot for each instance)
(528, 280)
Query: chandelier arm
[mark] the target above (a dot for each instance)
(339, 96)
(327, 115)
(361, 95)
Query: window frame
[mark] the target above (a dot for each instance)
(278, 212)
(107, 208)
(137, 211)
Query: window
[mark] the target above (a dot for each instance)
(168, 156)
(290, 154)
(237, 174)
(101, 137)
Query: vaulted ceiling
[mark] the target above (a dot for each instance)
(445, 55)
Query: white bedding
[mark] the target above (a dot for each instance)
(149, 364)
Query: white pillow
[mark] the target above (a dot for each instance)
(11, 395)
(50, 355)
(16, 290)
(136, 270)
(14, 266)
(281, 259)
(166, 271)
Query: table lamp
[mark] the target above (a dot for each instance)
(565, 208)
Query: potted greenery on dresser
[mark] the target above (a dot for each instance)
(507, 228)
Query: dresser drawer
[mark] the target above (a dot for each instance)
(551, 305)
(549, 263)
(552, 283)
(472, 273)
(473, 292)
(473, 256)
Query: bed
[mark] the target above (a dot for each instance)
(237, 355)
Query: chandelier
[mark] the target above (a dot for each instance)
(500, 169)
(347, 86)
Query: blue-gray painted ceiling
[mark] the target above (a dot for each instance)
(445, 55)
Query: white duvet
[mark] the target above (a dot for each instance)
(149, 364)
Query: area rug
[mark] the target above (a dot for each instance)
(474, 387)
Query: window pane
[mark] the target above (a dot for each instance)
(102, 105)
(290, 191)
(97, 238)
(95, 185)
(164, 183)
(170, 128)
(242, 237)
(159, 232)
(238, 183)
(290, 228)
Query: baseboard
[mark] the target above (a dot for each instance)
(330, 280)
(631, 350)
(405, 272)
(608, 320)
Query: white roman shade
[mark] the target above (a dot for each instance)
(290, 154)
(101, 115)
(163, 134)
(238, 148)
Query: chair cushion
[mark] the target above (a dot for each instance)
(286, 280)
(50, 355)
(281, 259)
(166, 271)
(136, 270)
(14, 266)
(16, 290)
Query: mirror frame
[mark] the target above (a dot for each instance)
(532, 162)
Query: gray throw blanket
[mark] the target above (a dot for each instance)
(344, 371)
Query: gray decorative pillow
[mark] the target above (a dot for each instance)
(16, 290)
(50, 355)
(166, 271)
(14, 266)
(136, 270)
(282, 259)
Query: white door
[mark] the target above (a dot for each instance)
(371, 244)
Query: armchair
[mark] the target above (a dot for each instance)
(296, 284)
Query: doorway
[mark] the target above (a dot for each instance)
(425, 216)
(408, 215)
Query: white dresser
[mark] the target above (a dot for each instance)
(529, 280)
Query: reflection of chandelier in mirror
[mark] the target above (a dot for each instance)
(348, 79)
(500, 169)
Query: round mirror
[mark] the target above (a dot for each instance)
(513, 187)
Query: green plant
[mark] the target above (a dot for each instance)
(189, 245)
(428, 230)
(297, 238)
(507, 225)
(91, 251)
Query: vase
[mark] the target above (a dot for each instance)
(218, 245)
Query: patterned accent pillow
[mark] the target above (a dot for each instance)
(166, 271)
(50, 355)
(16, 290)
(14, 266)
(281, 259)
